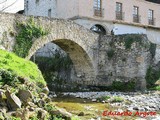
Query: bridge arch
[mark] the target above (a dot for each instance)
(99, 29)
(78, 42)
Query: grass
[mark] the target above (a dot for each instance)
(156, 88)
(117, 99)
(21, 67)
(103, 98)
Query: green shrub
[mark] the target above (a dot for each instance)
(14, 118)
(117, 99)
(157, 88)
(123, 86)
(103, 98)
(152, 49)
(110, 53)
(49, 107)
(24, 39)
(152, 76)
(50, 66)
(131, 38)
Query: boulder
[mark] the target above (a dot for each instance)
(13, 101)
(45, 90)
(42, 114)
(2, 48)
(24, 95)
(81, 114)
(63, 112)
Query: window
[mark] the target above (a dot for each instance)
(119, 14)
(150, 17)
(135, 10)
(98, 11)
(49, 12)
(118, 7)
(136, 17)
(37, 1)
(97, 4)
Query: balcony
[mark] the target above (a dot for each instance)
(98, 12)
(151, 21)
(119, 15)
(136, 18)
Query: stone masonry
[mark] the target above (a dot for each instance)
(98, 60)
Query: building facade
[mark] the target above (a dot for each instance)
(106, 16)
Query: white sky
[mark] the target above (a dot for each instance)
(18, 5)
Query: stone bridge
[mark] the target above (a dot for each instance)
(77, 41)
(97, 60)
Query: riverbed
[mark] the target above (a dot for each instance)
(111, 105)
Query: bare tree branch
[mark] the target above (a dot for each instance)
(9, 6)
(3, 2)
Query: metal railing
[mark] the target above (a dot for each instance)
(136, 18)
(98, 12)
(119, 15)
(151, 21)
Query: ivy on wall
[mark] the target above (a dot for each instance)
(26, 32)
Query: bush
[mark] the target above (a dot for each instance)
(110, 53)
(117, 99)
(103, 98)
(152, 76)
(49, 107)
(123, 86)
(131, 38)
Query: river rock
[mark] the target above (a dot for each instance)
(63, 112)
(94, 100)
(13, 101)
(2, 48)
(42, 114)
(24, 95)
(45, 90)
(81, 114)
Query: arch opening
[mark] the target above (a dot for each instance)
(81, 71)
(98, 29)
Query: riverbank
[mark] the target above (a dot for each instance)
(111, 105)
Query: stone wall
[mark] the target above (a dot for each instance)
(116, 63)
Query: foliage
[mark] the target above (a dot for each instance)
(12, 66)
(54, 63)
(157, 88)
(152, 49)
(152, 76)
(103, 98)
(110, 53)
(131, 38)
(8, 77)
(51, 66)
(24, 39)
(117, 99)
(123, 86)
(14, 118)
(34, 118)
(75, 118)
(49, 107)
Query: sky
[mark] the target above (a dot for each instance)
(17, 5)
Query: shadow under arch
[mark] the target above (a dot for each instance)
(83, 66)
(97, 28)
